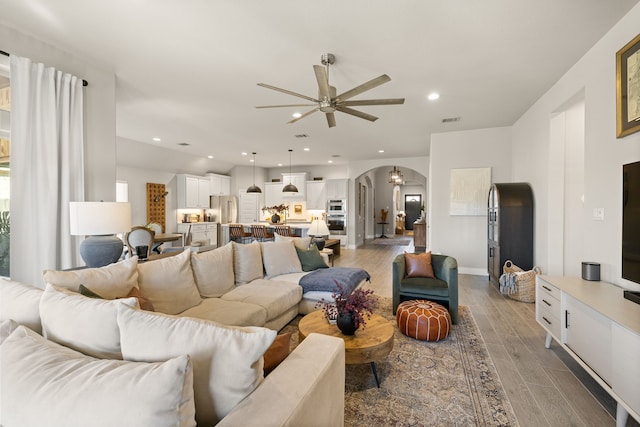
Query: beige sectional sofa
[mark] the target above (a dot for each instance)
(213, 369)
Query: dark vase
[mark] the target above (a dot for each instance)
(275, 218)
(345, 323)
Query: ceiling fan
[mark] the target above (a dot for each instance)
(328, 102)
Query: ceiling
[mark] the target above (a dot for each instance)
(187, 72)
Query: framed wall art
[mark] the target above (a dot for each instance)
(628, 88)
(469, 190)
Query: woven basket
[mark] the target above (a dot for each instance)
(526, 282)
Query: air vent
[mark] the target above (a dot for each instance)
(335, 155)
(451, 120)
(302, 135)
(184, 144)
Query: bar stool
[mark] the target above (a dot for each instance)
(260, 232)
(284, 230)
(237, 233)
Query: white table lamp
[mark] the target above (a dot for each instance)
(100, 221)
(319, 231)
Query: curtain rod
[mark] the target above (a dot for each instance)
(84, 82)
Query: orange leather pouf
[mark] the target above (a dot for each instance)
(423, 320)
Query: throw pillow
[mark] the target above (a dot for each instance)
(247, 262)
(21, 303)
(418, 265)
(83, 324)
(280, 258)
(168, 283)
(300, 242)
(109, 281)
(227, 361)
(213, 271)
(49, 385)
(6, 328)
(277, 352)
(311, 259)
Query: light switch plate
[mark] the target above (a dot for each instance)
(598, 214)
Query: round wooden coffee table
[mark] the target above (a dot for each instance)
(372, 343)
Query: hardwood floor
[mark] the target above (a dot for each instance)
(545, 386)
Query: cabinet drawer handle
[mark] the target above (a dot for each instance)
(546, 320)
(566, 318)
(546, 302)
(544, 287)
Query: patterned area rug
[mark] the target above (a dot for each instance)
(452, 382)
(392, 241)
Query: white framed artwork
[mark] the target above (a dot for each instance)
(469, 191)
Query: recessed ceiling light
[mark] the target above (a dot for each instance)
(251, 160)
(380, 151)
(244, 153)
(433, 96)
(296, 115)
(209, 157)
(156, 139)
(330, 161)
(307, 149)
(279, 164)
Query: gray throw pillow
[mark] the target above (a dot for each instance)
(311, 258)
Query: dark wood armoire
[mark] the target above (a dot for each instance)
(510, 227)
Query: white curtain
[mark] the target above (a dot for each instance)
(47, 168)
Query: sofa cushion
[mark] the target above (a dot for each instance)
(311, 259)
(418, 265)
(274, 296)
(20, 302)
(84, 324)
(247, 262)
(232, 313)
(299, 242)
(143, 302)
(213, 271)
(168, 283)
(280, 258)
(7, 326)
(109, 281)
(425, 286)
(46, 384)
(227, 361)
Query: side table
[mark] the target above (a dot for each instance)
(382, 224)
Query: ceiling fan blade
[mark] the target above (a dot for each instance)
(389, 101)
(357, 113)
(288, 92)
(323, 82)
(287, 105)
(331, 119)
(364, 87)
(304, 115)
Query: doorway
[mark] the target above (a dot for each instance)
(412, 208)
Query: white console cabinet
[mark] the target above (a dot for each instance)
(600, 330)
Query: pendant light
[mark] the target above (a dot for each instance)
(290, 188)
(254, 188)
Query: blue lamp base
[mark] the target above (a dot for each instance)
(98, 251)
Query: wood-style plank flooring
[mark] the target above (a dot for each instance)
(545, 386)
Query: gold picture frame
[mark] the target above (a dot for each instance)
(628, 88)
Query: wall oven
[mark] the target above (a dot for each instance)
(337, 223)
(336, 206)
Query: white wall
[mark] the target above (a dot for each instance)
(99, 108)
(604, 155)
(463, 237)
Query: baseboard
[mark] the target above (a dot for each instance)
(473, 271)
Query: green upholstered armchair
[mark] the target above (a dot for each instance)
(442, 289)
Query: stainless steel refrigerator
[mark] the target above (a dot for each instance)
(225, 211)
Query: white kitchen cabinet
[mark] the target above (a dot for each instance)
(337, 188)
(193, 192)
(600, 330)
(273, 193)
(220, 185)
(316, 195)
(211, 233)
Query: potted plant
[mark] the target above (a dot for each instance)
(276, 211)
(350, 309)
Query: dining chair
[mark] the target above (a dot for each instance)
(237, 233)
(139, 236)
(260, 232)
(157, 229)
